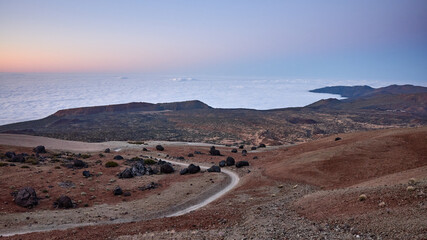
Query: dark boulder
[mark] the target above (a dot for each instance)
(222, 163)
(166, 168)
(79, 164)
(193, 169)
(160, 148)
(10, 154)
(18, 158)
(117, 191)
(127, 173)
(118, 157)
(244, 152)
(255, 157)
(86, 174)
(230, 161)
(190, 155)
(241, 146)
(253, 148)
(138, 169)
(262, 145)
(26, 197)
(214, 168)
(183, 171)
(145, 150)
(240, 164)
(107, 150)
(181, 158)
(337, 138)
(64, 202)
(39, 149)
(233, 150)
(149, 186)
(214, 152)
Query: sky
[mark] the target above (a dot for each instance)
(334, 39)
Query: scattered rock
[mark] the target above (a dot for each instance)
(79, 164)
(193, 169)
(160, 148)
(117, 191)
(214, 168)
(19, 158)
(149, 186)
(262, 145)
(197, 152)
(181, 158)
(362, 197)
(26, 197)
(145, 150)
(253, 148)
(230, 161)
(381, 204)
(66, 184)
(183, 171)
(39, 149)
(240, 164)
(107, 150)
(222, 163)
(233, 150)
(127, 173)
(412, 181)
(118, 157)
(190, 155)
(244, 152)
(337, 138)
(255, 157)
(214, 152)
(241, 146)
(127, 194)
(166, 168)
(86, 174)
(410, 188)
(63, 202)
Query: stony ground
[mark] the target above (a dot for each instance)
(306, 191)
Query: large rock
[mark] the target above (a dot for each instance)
(193, 169)
(10, 154)
(183, 171)
(222, 163)
(214, 152)
(117, 191)
(127, 173)
(166, 168)
(160, 148)
(230, 161)
(64, 202)
(79, 163)
(26, 197)
(86, 174)
(107, 150)
(39, 149)
(240, 164)
(19, 158)
(214, 168)
(138, 169)
(118, 157)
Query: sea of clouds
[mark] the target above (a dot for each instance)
(33, 96)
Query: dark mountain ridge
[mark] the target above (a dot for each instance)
(194, 121)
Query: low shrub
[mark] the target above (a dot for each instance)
(111, 164)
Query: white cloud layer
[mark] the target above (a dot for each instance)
(34, 96)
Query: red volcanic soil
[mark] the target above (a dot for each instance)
(304, 191)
